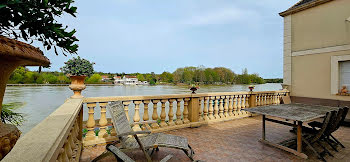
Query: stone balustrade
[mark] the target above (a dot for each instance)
(56, 138)
(60, 137)
(172, 111)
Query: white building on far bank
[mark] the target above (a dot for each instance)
(128, 80)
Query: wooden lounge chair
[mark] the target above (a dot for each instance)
(335, 124)
(131, 140)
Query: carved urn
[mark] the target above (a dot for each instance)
(77, 85)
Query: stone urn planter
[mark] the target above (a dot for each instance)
(77, 85)
(14, 53)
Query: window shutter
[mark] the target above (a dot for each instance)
(344, 74)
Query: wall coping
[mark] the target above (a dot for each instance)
(42, 143)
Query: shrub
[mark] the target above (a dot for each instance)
(78, 67)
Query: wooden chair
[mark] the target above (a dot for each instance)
(335, 124)
(131, 141)
(310, 138)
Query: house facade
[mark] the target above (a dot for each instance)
(317, 51)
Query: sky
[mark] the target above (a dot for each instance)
(162, 35)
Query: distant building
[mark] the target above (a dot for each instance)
(128, 80)
(105, 78)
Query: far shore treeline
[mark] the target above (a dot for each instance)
(181, 76)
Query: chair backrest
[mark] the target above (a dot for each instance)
(325, 123)
(345, 112)
(286, 99)
(119, 119)
(333, 122)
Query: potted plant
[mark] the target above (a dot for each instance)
(78, 69)
(194, 88)
(251, 87)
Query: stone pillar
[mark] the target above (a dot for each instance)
(193, 109)
(252, 100)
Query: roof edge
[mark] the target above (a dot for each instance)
(303, 7)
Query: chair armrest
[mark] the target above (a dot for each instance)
(134, 133)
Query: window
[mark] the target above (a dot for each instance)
(340, 73)
(344, 74)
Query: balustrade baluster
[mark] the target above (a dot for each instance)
(216, 107)
(163, 115)
(155, 114)
(243, 101)
(258, 100)
(239, 104)
(103, 121)
(200, 109)
(243, 104)
(67, 150)
(71, 144)
(279, 99)
(221, 107)
(230, 106)
(185, 113)
(226, 107)
(136, 118)
(247, 101)
(90, 124)
(211, 108)
(126, 108)
(235, 104)
(178, 112)
(265, 99)
(171, 113)
(145, 113)
(205, 109)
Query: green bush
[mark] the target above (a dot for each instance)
(78, 67)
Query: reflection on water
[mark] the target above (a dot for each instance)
(41, 101)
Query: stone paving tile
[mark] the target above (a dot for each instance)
(232, 141)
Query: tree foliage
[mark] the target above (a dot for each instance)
(36, 20)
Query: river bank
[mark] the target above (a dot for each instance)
(57, 85)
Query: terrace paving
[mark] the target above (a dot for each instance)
(235, 140)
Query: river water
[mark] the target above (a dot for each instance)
(41, 101)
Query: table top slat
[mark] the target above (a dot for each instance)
(296, 112)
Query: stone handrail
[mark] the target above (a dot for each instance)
(56, 138)
(173, 111)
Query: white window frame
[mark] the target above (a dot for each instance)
(335, 71)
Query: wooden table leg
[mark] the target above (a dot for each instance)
(263, 127)
(299, 136)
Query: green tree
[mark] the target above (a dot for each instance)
(140, 77)
(96, 78)
(37, 20)
(166, 77)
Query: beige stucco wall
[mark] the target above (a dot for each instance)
(311, 76)
(321, 26)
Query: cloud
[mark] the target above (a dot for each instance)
(222, 16)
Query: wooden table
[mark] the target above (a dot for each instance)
(298, 113)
